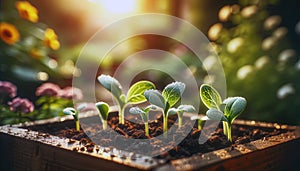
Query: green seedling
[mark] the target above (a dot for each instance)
(180, 110)
(74, 113)
(225, 111)
(103, 109)
(201, 119)
(165, 100)
(135, 94)
(144, 113)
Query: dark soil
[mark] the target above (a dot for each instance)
(135, 130)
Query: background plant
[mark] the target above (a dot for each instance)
(135, 94)
(225, 111)
(170, 95)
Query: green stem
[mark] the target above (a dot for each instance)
(77, 125)
(165, 125)
(121, 114)
(104, 124)
(225, 126)
(229, 132)
(200, 122)
(146, 129)
(179, 121)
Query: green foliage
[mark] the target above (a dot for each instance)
(135, 93)
(180, 110)
(168, 98)
(231, 108)
(74, 112)
(144, 113)
(103, 109)
(210, 96)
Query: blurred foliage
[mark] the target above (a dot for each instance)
(261, 62)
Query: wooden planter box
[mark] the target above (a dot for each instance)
(22, 149)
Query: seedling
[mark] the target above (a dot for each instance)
(144, 113)
(225, 111)
(103, 109)
(135, 94)
(74, 113)
(165, 100)
(180, 110)
(201, 119)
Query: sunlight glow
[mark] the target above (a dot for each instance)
(118, 6)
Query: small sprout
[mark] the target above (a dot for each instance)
(144, 113)
(74, 113)
(180, 110)
(165, 100)
(201, 119)
(103, 109)
(135, 94)
(225, 111)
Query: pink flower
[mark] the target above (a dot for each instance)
(48, 89)
(21, 105)
(71, 93)
(7, 88)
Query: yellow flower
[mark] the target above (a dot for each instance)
(9, 33)
(27, 11)
(50, 39)
(35, 54)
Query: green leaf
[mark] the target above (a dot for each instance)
(214, 114)
(136, 110)
(69, 111)
(144, 114)
(234, 107)
(210, 96)
(186, 108)
(136, 92)
(173, 92)
(172, 111)
(154, 97)
(103, 109)
(111, 84)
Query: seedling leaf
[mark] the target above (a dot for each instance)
(136, 92)
(136, 110)
(214, 114)
(173, 92)
(210, 96)
(111, 84)
(154, 97)
(186, 108)
(234, 106)
(103, 109)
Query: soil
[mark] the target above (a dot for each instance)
(135, 130)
